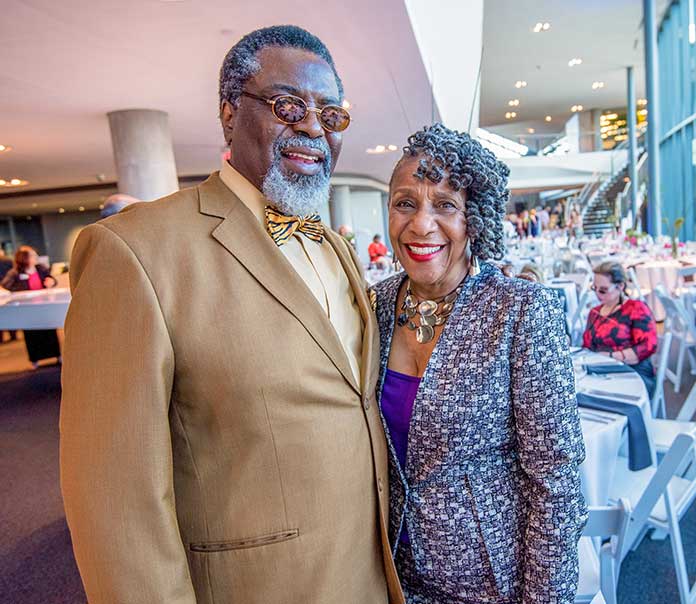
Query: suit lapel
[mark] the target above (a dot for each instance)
(241, 234)
(369, 371)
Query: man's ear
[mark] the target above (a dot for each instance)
(228, 116)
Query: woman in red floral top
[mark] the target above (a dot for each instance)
(619, 327)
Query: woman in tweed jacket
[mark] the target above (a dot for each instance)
(476, 390)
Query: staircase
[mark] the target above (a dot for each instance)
(605, 200)
(599, 213)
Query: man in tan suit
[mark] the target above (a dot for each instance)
(220, 440)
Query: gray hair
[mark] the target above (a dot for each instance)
(453, 155)
(241, 62)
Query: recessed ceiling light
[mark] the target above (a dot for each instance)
(576, 108)
(13, 182)
(540, 27)
(381, 149)
(346, 104)
(597, 85)
(520, 84)
(574, 62)
(82, 208)
(514, 102)
(5, 148)
(548, 118)
(510, 115)
(101, 206)
(61, 210)
(531, 130)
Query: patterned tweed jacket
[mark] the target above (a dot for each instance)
(491, 490)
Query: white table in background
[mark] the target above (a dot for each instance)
(603, 434)
(602, 430)
(658, 272)
(39, 309)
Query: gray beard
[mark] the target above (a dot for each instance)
(297, 194)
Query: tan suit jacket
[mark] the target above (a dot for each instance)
(215, 446)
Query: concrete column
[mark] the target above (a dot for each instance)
(143, 153)
(632, 142)
(385, 221)
(651, 85)
(339, 207)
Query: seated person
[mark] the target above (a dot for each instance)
(531, 272)
(378, 253)
(619, 327)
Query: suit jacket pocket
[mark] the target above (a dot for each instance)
(224, 546)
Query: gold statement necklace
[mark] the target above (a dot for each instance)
(430, 312)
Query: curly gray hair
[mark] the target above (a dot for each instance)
(469, 166)
(241, 62)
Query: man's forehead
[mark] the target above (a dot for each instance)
(295, 68)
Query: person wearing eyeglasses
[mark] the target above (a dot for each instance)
(477, 393)
(619, 327)
(233, 451)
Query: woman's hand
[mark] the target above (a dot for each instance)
(49, 282)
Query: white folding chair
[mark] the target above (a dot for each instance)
(660, 497)
(607, 522)
(586, 301)
(657, 404)
(636, 291)
(683, 332)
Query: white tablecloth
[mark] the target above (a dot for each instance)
(658, 272)
(603, 431)
(40, 309)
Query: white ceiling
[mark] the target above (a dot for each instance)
(64, 65)
(606, 34)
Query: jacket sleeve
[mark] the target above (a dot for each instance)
(550, 447)
(115, 448)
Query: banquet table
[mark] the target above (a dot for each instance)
(658, 272)
(602, 430)
(603, 433)
(40, 309)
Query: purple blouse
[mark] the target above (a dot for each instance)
(398, 394)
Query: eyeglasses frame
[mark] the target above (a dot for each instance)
(272, 102)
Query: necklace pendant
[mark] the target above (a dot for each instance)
(428, 320)
(424, 334)
(427, 308)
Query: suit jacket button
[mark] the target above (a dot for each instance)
(366, 402)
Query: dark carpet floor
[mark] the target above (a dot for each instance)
(36, 561)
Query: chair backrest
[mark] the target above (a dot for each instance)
(679, 453)
(677, 319)
(587, 300)
(613, 522)
(687, 271)
(662, 360)
(637, 293)
(689, 301)
(688, 408)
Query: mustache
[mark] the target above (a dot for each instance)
(319, 144)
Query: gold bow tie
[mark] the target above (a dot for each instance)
(282, 227)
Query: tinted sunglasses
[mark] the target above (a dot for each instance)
(291, 109)
(601, 290)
